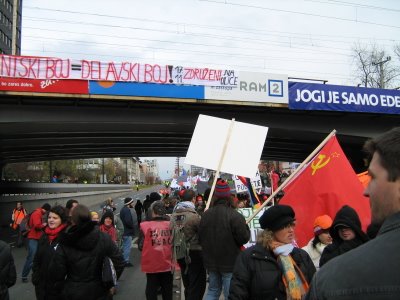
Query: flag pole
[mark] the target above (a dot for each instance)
(228, 136)
(298, 169)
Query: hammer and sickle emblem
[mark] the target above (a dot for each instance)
(320, 164)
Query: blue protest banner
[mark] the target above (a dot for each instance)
(313, 96)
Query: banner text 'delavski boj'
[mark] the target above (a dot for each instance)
(31, 67)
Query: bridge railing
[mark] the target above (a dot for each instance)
(34, 195)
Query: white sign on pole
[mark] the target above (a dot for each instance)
(255, 182)
(211, 132)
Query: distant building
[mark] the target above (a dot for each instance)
(10, 26)
(150, 171)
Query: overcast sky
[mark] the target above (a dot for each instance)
(300, 38)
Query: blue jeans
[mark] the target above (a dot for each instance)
(216, 282)
(126, 247)
(32, 247)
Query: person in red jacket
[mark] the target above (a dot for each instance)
(36, 225)
(155, 243)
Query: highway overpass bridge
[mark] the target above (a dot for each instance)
(52, 126)
(53, 108)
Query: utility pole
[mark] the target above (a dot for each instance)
(381, 77)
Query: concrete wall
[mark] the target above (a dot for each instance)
(31, 202)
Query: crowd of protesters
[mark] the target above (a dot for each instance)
(66, 246)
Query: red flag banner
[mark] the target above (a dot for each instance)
(326, 184)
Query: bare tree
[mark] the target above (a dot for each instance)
(397, 50)
(374, 67)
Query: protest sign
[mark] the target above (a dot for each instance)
(212, 131)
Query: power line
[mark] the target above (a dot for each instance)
(301, 13)
(113, 45)
(183, 43)
(197, 25)
(352, 4)
(251, 56)
(289, 44)
(215, 36)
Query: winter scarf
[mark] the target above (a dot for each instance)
(110, 230)
(52, 234)
(294, 280)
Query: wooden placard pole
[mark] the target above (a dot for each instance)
(228, 136)
(299, 168)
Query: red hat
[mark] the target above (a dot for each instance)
(321, 223)
(222, 189)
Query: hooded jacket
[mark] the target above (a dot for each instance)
(345, 216)
(369, 272)
(78, 260)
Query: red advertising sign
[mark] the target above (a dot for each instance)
(44, 86)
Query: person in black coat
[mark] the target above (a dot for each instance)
(78, 261)
(346, 234)
(222, 232)
(48, 242)
(8, 274)
(139, 210)
(273, 268)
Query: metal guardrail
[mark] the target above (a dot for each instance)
(18, 188)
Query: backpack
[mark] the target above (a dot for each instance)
(24, 226)
(180, 246)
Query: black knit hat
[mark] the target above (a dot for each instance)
(107, 214)
(276, 217)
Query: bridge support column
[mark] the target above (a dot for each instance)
(50, 170)
(2, 166)
(103, 174)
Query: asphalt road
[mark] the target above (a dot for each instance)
(131, 284)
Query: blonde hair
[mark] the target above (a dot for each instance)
(93, 214)
(265, 238)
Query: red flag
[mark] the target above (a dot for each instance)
(323, 187)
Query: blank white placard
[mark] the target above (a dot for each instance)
(243, 151)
